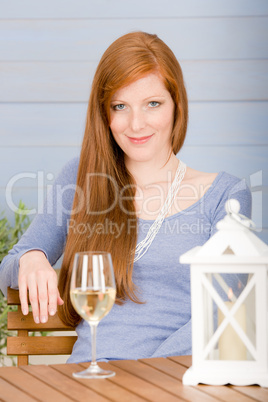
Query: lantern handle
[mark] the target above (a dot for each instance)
(232, 208)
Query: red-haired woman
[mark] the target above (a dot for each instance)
(130, 195)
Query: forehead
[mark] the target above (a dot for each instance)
(150, 85)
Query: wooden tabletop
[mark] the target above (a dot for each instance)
(158, 379)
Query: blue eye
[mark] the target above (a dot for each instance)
(154, 104)
(120, 106)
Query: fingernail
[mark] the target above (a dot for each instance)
(24, 312)
(43, 319)
(37, 320)
(52, 312)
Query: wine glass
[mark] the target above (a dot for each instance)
(93, 294)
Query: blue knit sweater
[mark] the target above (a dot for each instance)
(162, 325)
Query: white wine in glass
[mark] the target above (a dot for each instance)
(93, 294)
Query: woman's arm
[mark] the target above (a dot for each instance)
(29, 264)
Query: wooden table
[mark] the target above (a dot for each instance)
(143, 380)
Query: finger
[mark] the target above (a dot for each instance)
(60, 301)
(33, 296)
(23, 297)
(42, 298)
(52, 295)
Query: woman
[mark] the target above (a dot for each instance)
(128, 181)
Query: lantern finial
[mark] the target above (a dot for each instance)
(233, 217)
(232, 206)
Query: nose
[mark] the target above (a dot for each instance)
(137, 120)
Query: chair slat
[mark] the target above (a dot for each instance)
(23, 360)
(23, 345)
(16, 320)
(13, 298)
(40, 345)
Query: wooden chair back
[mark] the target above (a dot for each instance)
(24, 345)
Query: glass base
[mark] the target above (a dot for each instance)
(94, 372)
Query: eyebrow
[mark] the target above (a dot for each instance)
(149, 97)
(155, 96)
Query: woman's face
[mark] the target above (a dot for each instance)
(142, 116)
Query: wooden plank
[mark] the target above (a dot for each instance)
(62, 124)
(37, 167)
(226, 80)
(176, 370)
(254, 391)
(161, 380)
(139, 386)
(64, 384)
(16, 320)
(227, 123)
(10, 393)
(222, 392)
(106, 388)
(13, 297)
(70, 81)
(56, 382)
(31, 385)
(28, 195)
(167, 366)
(46, 81)
(22, 360)
(86, 40)
(139, 8)
(182, 360)
(40, 345)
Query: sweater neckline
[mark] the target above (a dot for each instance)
(202, 199)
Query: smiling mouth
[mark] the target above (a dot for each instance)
(140, 140)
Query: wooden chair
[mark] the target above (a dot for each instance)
(24, 345)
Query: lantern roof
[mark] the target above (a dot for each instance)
(234, 242)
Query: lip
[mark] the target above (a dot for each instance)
(140, 140)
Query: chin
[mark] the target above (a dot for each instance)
(139, 158)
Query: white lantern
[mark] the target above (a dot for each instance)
(229, 305)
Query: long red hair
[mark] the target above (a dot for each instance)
(102, 173)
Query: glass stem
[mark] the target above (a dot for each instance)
(93, 330)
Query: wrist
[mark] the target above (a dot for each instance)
(32, 255)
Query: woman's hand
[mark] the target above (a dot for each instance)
(37, 275)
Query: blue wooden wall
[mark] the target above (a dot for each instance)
(49, 51)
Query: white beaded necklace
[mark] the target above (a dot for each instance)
(143, 246)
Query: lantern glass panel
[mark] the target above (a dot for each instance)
(229, 313)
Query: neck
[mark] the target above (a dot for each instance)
(150, 172)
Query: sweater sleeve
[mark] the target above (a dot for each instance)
(234, 189)
(48, 230)
(230, 187)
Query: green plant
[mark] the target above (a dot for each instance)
(4, 333)
(9, 236)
